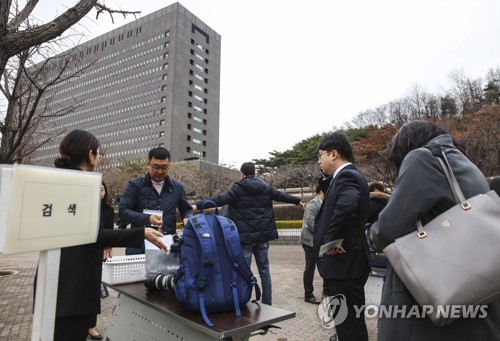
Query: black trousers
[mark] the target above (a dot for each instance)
(71, 328)
(93, 321)
(308, 277)
(353, 328)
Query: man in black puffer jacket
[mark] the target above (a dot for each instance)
(250, 206)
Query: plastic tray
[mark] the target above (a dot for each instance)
(124, 269)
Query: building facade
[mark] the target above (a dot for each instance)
(152, 82)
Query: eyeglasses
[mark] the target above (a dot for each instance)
(101, 155)
(322, 153)
(159, 168)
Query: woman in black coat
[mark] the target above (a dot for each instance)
(80, 267)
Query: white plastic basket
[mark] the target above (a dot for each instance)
(124, 269)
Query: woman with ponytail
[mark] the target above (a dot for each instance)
(78, 299)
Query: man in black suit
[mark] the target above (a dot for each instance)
(343, 215)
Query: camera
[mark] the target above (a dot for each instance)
(176, 241)
(159, 282)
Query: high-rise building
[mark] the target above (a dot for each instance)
(152, 82)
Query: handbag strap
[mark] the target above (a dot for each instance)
(452, 181)
(438, 152)
(455, 187)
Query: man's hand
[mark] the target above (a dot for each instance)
(155, 220)
(107, 253)
(301, 206)
(155, 237)
(335, 250)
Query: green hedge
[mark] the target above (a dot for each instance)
(288, 224)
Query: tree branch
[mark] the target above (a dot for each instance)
(14, 24)
(100, 8)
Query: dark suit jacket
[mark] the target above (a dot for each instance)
(343, 214)
(80, 271)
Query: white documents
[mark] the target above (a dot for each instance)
(325, 247)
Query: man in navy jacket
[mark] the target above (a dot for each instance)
(152, 200)
(250, 206)
(343, 215)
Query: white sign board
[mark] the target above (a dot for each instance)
(47, 208)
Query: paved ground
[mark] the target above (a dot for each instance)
(16, 298)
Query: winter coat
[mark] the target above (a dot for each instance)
(378, 200)
(250, 203)
(140, 194)
(310, 213)
(422, 192)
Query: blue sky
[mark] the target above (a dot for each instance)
(291, 69)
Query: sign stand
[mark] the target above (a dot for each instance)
(46, 295)
(32, 218)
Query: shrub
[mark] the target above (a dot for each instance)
(287, 212)
(288, 224)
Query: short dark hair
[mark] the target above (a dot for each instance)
(376, 186)
(318, 188)
(248, 168)
(414, 135)
(159, 153)
(339, 142)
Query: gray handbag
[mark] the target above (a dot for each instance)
(451, 265)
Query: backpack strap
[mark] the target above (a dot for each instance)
(233, 248)
(208, 249)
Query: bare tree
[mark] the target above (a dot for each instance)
(468, 92)
(26, 85)
(399, 111)
(370, 117)
(117, 178)
(16, 36)
(28, 90)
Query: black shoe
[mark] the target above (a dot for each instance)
(95, 337)
(312, 300)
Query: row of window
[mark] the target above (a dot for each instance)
(102, 91)
(116, 54)
(190, 139)
(196, 153)
(122, 101)
(199, 46)
(113, 132)
(103, 75)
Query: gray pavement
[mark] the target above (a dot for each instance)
(286, 261)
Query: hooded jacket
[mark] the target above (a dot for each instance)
(250, 203)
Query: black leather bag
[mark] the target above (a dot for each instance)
(104, 291)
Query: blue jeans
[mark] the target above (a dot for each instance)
(260, 251)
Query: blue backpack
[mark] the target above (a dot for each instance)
(213, 275)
